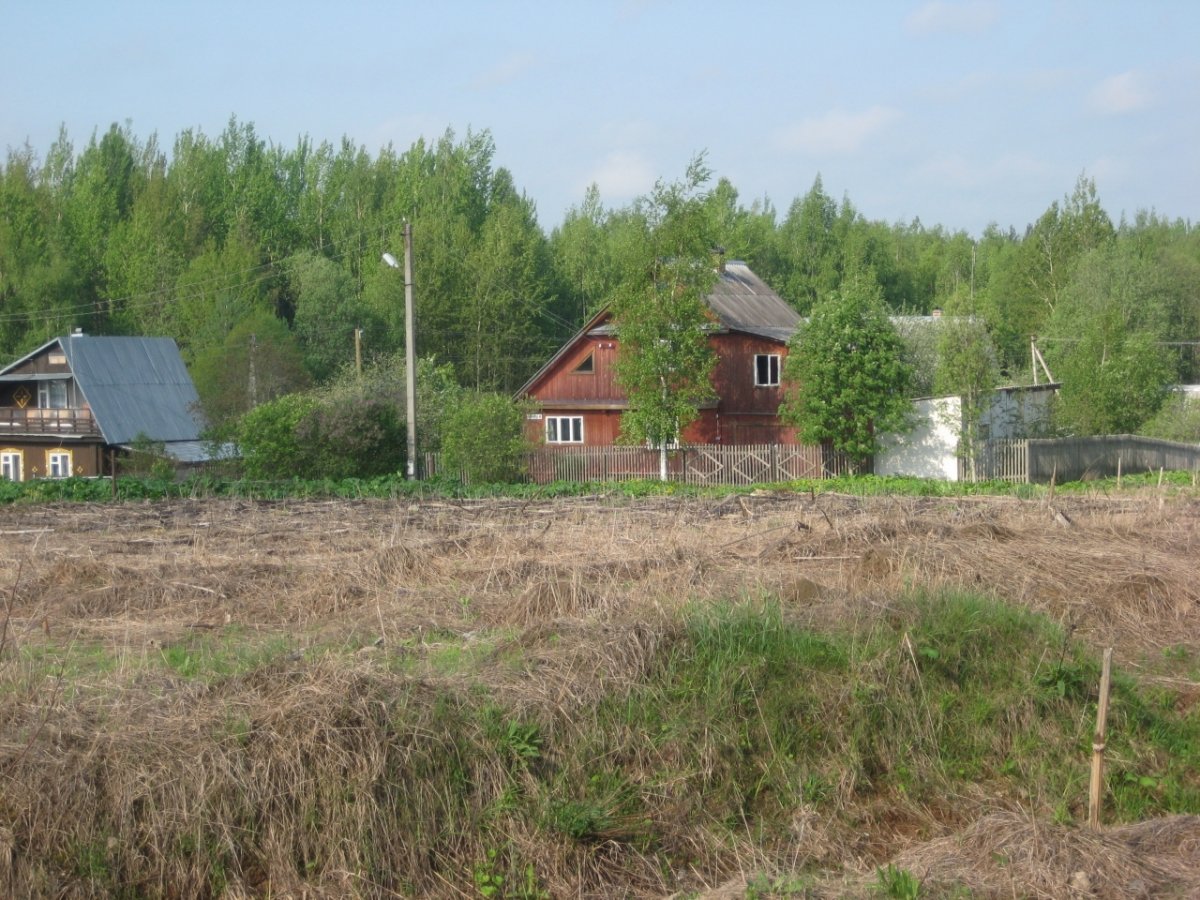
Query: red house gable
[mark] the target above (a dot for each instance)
(579, 401)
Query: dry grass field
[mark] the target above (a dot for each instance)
(203, 697)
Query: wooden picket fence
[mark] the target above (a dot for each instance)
(1022, 461)
(1073, 459)
(704, 464)
(996, 460)
(1076, 458)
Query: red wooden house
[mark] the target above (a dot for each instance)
(579, 401)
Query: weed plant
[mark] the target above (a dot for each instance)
(93, 490)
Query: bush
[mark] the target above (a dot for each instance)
(148, 459)
(483, 438)
(307, 436)
(360, 440)
(269, 438)
(1178, 420)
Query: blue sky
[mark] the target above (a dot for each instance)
(960, 113)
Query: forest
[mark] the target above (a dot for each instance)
(259, 258)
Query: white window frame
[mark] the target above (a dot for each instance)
(557, 426)
(55, 394)
(59, 464)
(774, 365)
(12, 464)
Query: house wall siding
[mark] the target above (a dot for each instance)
(744, 413)
(733, 376)
(566, 385)
(42, 363)
(86, 459)
(600, 427)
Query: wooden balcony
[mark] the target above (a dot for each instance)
(77, 422)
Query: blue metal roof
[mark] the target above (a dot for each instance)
(135, 386)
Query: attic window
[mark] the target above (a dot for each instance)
(587, 367)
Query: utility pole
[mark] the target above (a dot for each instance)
(410, 353)
(358, 352)
(410, 350)
(252, 378)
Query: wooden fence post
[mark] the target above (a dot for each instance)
(1096, 787)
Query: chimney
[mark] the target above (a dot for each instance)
(77, 332)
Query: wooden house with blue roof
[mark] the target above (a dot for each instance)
(71, 405)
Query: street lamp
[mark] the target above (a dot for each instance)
(410, 351)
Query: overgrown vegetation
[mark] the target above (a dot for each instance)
(92, 490)
(268, 769)
(262, 262)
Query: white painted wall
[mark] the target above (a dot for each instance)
(930, 449)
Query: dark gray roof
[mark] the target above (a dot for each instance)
(744, 302)
(194, 451)
(135, 386)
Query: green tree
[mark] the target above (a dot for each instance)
(847, 381)
(41, 282)
(581, 250)
(967, 368)
(501, 318)
(269, 441)
(665, 361)
(811, 248)
(257, 361)
(1112, 380)
(326, 314)
(1106, 341)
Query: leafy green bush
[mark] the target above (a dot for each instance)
(1178, 420)
(270, 441)
(482, 437)
(299, 436)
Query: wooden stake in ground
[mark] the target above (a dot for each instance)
(1096, 788)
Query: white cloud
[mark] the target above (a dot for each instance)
(621, 176)
(1119, 94)
(838, 131)
(505, 71)
(940, 17)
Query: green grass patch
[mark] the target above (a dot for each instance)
(745, 716)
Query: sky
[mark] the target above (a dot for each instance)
(961, 114)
